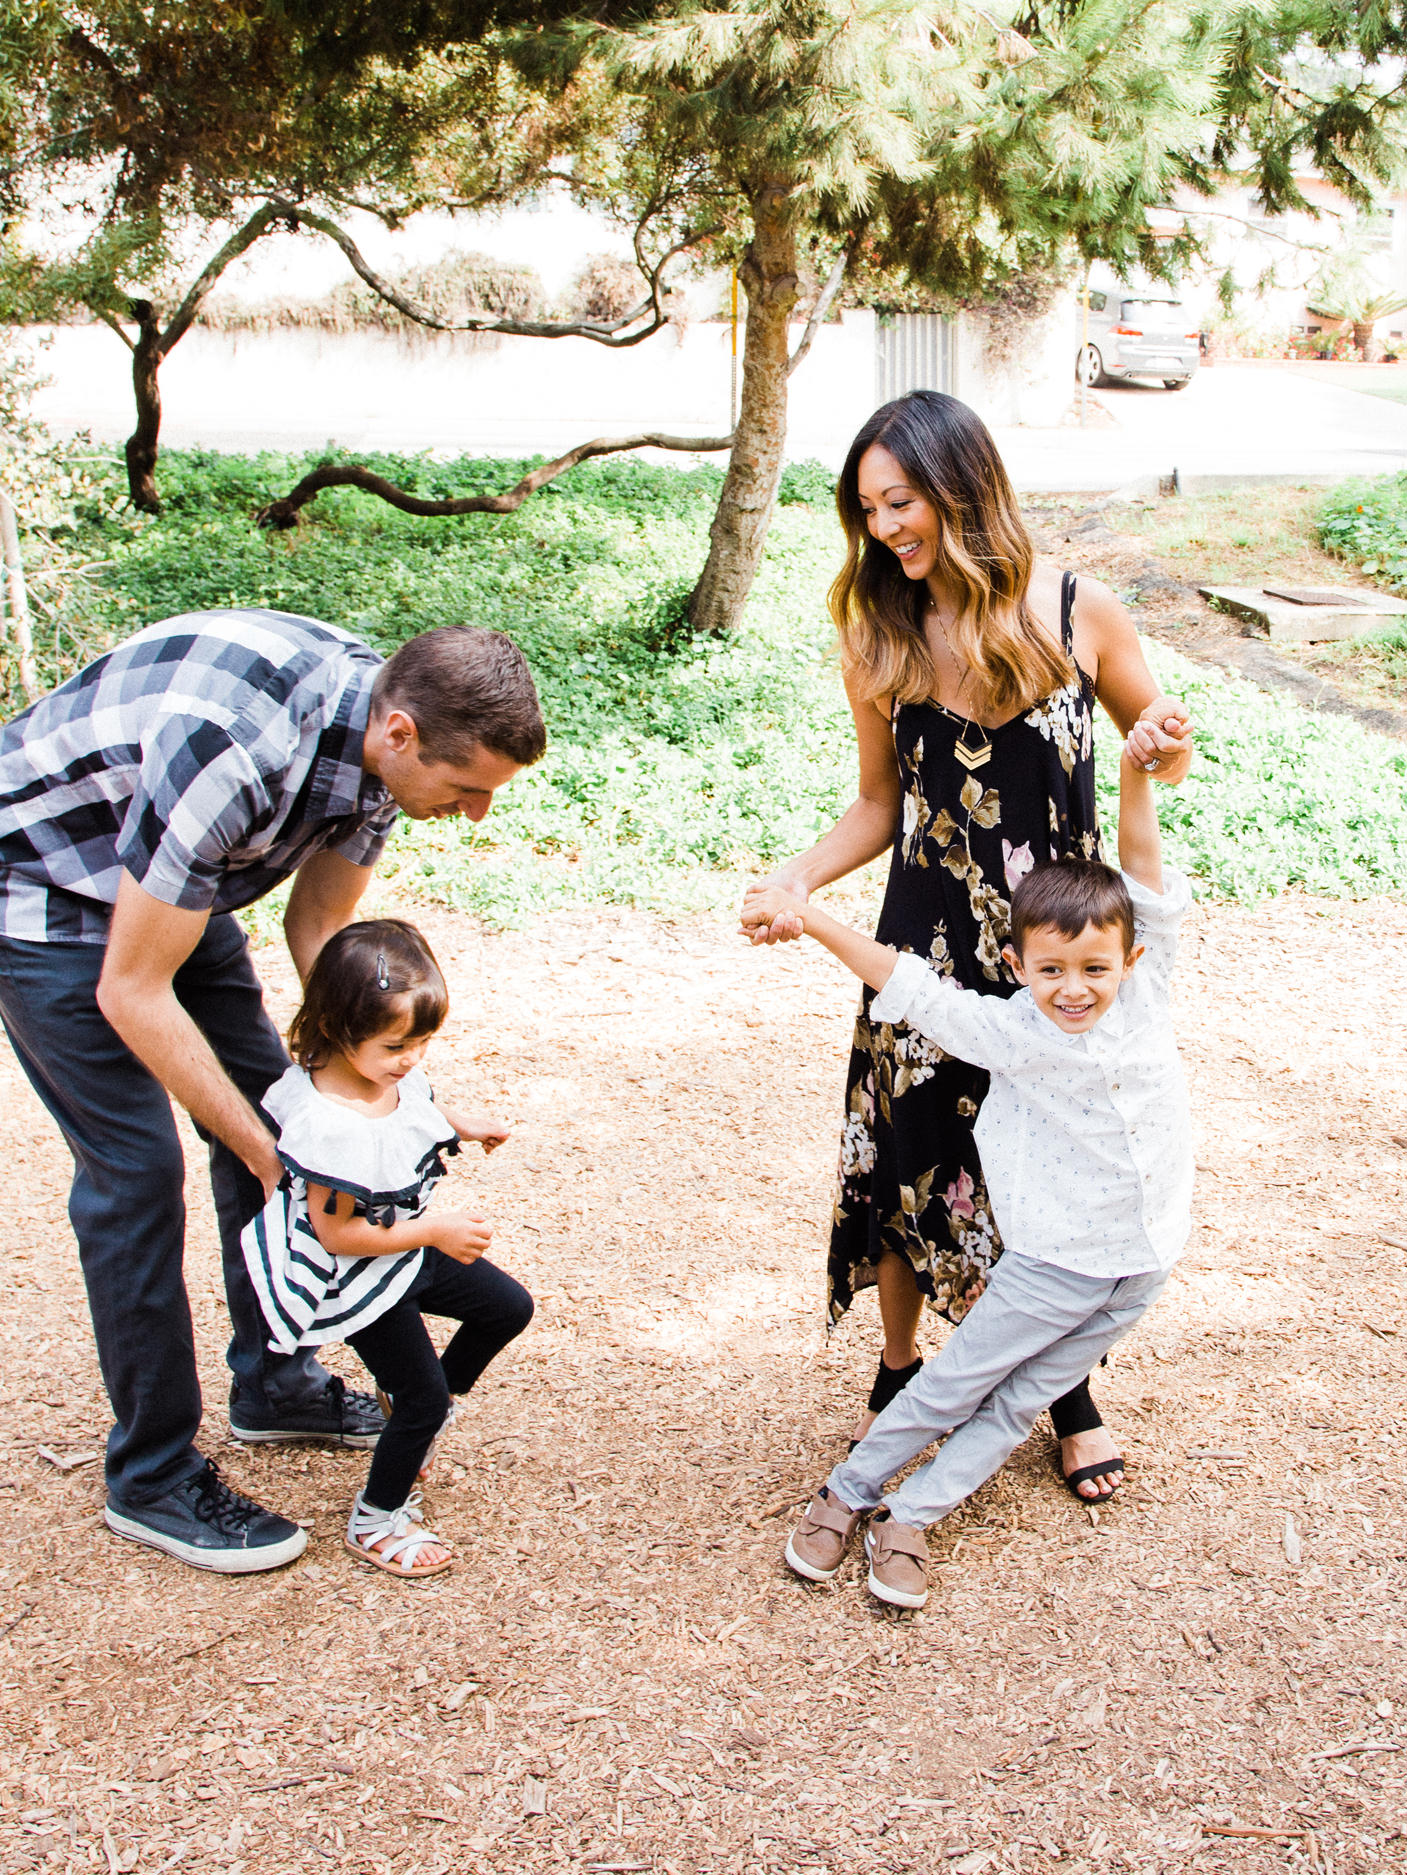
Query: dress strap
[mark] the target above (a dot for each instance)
(1067, 613)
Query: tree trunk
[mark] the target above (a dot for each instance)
(141, 449)
(739, 529)
(1366, 340)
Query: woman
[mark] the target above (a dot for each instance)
(972, 671)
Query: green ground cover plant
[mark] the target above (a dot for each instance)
(1364, 521)
(678, 766)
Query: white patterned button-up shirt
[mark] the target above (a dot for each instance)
(1086, 1140)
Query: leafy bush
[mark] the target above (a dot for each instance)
(1365, 523)
(457, 286)
(679, 765)
(604, 287)
(808, 482)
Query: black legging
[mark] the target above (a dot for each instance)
(492, 1307)
(1073, 1412)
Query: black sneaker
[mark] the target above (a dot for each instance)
(336, 1416)
(202, 1521)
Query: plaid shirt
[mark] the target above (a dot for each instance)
(208, 757)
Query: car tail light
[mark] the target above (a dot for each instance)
(1192, 335)
(1128, 332)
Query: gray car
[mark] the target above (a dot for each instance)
(1135, 338)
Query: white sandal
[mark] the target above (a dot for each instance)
(399, 1542)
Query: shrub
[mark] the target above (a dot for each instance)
(810, 482)
(453, 288)
(604, 287)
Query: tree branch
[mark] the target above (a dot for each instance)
(825, 299)
(111, 321)
(612, 332)
(258, 223)
(1258, 228)
(284, 512)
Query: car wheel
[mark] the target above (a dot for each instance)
(1089, 366)
(1176, 384)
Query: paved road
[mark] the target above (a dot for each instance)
(293, 392)
(1231, 420)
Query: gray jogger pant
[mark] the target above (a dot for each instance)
(1036, 1330)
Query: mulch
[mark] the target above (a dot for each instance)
(620, 1675)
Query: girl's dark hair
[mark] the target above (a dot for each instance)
(360, 975)
(948, 457)
(1065, 896)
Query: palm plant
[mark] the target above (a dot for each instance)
(1361, 306)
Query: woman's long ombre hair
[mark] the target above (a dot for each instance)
(984, 556)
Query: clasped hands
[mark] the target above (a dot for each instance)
(1160, 742)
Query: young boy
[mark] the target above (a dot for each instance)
(1086, 1143)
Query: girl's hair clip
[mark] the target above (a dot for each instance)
(383, 975)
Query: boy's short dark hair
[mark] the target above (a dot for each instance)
(356, 979)
(1066, 895)
(464, 688)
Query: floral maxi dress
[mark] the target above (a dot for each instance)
(910, 1177)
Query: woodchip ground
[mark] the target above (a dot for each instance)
(620, 1675)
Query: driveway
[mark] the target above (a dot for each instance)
(1241, 421)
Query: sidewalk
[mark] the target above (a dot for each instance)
(1231, 421)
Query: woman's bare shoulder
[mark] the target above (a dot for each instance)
(1098, 609)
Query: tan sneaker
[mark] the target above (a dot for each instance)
(816, 1547)
(898, 1558)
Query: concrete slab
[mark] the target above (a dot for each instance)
(1351, 613)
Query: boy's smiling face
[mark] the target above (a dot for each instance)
(1074, 981)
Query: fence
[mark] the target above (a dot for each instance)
(914, 352)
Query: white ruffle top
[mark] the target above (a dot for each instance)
(388, 1164)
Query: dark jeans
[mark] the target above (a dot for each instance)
(127, 1205)
(492, 1309)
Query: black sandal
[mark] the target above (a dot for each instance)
(1088, 1472)
(889, 1383)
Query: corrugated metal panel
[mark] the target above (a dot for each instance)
(913, 352)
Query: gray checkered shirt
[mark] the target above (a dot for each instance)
(208, 757)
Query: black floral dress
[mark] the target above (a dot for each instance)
(910, 1177)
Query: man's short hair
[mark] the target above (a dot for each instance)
(464, 688)
(1065, 896)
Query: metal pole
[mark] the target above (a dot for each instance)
(733, 379)
(17, 596)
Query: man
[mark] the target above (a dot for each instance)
(181, 776)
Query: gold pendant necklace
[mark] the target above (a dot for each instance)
(972, 757)
(969, 755)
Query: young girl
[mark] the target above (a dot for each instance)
(345, 1250)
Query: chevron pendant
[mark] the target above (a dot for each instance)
(973, 758)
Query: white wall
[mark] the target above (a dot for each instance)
(290, 389)
(1040, 389)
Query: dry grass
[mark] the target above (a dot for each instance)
(620, 1647)
(1241, 536)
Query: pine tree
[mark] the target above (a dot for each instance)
(943, 146)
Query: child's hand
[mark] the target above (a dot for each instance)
(490, 1133)
(769, 913)
(1161, 739)
(460, 1234)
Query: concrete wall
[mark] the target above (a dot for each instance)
(289, 389)
(1036, 387)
